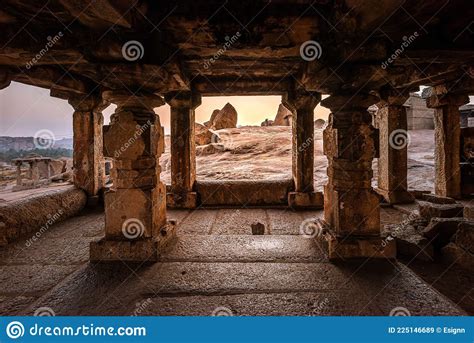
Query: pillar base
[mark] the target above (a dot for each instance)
(303, 200)
(354, 247)
(140, 250)
(183, 200)
(396, 197)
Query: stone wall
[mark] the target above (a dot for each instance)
(419, 116)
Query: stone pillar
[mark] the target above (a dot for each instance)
(394, 140)
(35, 174)
(351, 206)
(302, 105)
(183, 149)
(447, 141)
(19, 178)
(135, 207)
(89, 173)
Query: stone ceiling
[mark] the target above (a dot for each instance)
(235, 47)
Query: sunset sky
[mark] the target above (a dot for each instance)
(25, 109)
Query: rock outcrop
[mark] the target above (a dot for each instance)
(209, 123)
(225, 118)
(319, 123)
(202, 135)
(267, 122)
(283, 117)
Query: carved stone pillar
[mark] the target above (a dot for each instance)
(183, 149)
(351, 207)
(394, 140)
(302, 105)
(135, 207)
(447, 140)
(89, 173)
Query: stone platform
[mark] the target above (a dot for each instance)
(216, 267)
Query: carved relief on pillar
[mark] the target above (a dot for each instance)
(302, 105)
(351, 207)
(135, 207)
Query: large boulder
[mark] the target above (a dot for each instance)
(226, 118)
(267, 122)
(210, 122)
(202, 135)
(283, 116)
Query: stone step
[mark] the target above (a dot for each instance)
(245, 248)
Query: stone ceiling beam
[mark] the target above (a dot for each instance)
(218, 87)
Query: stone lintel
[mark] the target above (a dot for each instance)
(306, 200)
(187, 200)
(440, 100)
(142, 250)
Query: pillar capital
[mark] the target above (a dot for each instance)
(392, 97)
(301, 100)
(349, 102)
(446, 95)
(88, 103)
(185, 99)
(129, 100)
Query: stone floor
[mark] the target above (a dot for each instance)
(217, 266)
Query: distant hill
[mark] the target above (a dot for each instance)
(27, 143)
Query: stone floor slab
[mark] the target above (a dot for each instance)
(245, 248)
(31, 279)
(197, 222)
(238, 221)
